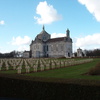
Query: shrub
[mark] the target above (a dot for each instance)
(95, 70)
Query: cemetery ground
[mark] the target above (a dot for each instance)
(77, 71)
(57, 79)
(70, 72)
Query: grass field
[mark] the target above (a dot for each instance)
(71, 72)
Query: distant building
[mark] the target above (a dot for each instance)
(79, 52)
(26, 54)
(45, 46)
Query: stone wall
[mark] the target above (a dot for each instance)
(37, 50)
(54, 49)
(59, 49)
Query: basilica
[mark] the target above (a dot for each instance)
(45, 46)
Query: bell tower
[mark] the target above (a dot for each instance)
(68, 33)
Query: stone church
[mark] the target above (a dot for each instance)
(45, 46)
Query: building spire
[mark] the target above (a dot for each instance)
(68, 33)
(43, 27)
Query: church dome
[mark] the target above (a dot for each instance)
(43, 35)
(43, 31)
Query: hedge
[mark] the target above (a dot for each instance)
(43, 89)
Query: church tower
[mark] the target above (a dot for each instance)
(68, 33)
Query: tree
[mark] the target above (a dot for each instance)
(12, 54)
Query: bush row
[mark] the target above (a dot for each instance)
(39, 90)
(95, 70)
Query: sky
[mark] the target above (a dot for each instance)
(22, 20)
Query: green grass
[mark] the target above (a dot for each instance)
(72, 72)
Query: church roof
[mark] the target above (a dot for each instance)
(60, 39)
(37, 41)
(42, 34)
(39, 38)
(56, 39)
(43, 31)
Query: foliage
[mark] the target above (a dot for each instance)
(32, 89)
(95, 52)
(95, 70)
(11, 54)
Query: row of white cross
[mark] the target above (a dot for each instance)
(38, 64)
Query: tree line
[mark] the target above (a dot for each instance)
(95, 52)
(90, 53)
(12, 54)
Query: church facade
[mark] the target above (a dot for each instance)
(45, 46)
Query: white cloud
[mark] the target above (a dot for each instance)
(21, 41)
(48, 13)
(88, 42)
(23, 48)
(21, 44)
(2, 22)
(55, 35)
(93, 7)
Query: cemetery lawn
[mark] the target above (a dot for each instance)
(72, 72)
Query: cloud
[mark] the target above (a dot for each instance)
(23, 48)
(93, 6)
(21, 44)
(88, 42)
(2, 22)
(47, 12)
(21, 41)
(55, 35)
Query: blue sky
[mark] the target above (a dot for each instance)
(22, 20)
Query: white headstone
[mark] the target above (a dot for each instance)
(35, 68)
(19, 69)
